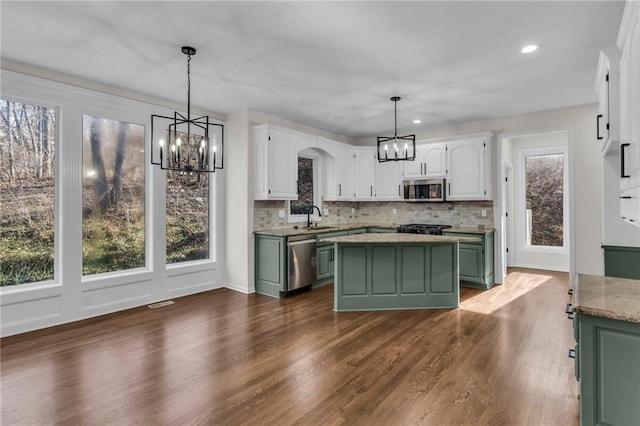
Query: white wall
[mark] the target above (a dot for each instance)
(70, 296)
(239, 204)
(585, 163)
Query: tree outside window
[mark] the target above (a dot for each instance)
(113, 188)
(27, 193)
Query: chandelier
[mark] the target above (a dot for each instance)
(184, 144)
(403, 148)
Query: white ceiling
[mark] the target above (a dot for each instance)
(331, 65)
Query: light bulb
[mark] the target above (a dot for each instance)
(178, 141)
(161, 142)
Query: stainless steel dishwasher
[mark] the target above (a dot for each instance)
(302, 262)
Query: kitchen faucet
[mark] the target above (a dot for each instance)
(309, 214)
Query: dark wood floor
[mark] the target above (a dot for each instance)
(227, 358)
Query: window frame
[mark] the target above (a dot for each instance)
(521, 198)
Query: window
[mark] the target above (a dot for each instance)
(187, 216)
(27, 193)
(305, 188)
(544, 193)
(113, 188)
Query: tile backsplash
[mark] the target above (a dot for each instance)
(460, 213)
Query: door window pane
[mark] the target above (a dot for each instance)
(544, 198)
(305, 187)
(27, 182)
(113, 185)
(187, 216)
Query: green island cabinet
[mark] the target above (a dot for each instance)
(476, 260)
(607, 357)
(271, 273)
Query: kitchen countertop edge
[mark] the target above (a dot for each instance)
(291, 232)
(607, 297)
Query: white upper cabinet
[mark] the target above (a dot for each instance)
(608, 88)
(629, 118)
(388, 180)
(435, 160)
(275, 163)
(469, 170)
(430, 162)
(365, 160)
(345, 173)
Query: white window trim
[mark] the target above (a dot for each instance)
(298, 218)
(521, 198)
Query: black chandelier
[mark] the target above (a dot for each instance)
(186, 144)
(403, 148)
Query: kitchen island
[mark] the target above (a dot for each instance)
(607, 333)
(396, 271)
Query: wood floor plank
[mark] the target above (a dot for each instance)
(227, 358)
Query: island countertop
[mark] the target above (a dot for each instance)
(397, 238)
(607, 297)
(303, 230)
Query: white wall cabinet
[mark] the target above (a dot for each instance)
(430, 162)
(365, 160)
(608, 88)
(388, 181)
(275, 164)
(469, 169)
(629, 113)
(345, 173)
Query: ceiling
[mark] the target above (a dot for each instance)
(330, 65)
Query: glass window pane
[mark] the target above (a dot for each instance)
(113, 185)
(27, 182)
(305, 187)
(187, 216)
(544, 198)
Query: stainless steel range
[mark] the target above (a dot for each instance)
(422, 228)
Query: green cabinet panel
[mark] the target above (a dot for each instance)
(476, 260)
(412, 270)
(622, 262)
(383, 270)
(608, 359)
(324, 256)
(374, 230)
(440, 266)
(354, 270)
(270, 265)
(357, 231)
(396, 276)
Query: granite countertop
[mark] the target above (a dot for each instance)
(607, 297)
(396, 238)
(470, 230)
(321, 229)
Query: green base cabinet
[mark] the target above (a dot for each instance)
(476, 260)
(608, 362)
(396, 276)
(622, 262)
(271, 265)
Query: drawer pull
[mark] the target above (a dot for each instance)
(569, 311)
(572, 353)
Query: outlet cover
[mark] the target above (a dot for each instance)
(484, 213)
(395, 211)
(280, 213)
(353, 210)
(326, 212)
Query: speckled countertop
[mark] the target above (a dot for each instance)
(607, 297)
(303, 230)
(396, 238)
(469, 230)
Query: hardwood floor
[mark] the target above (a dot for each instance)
(227, 358)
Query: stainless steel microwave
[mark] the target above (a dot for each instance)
(424, 190)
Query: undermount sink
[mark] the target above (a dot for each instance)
(313, 228)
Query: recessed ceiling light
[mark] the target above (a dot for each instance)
(529, 48)
(416, 121)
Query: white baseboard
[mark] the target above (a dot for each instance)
(239, 288)
(543, 267)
